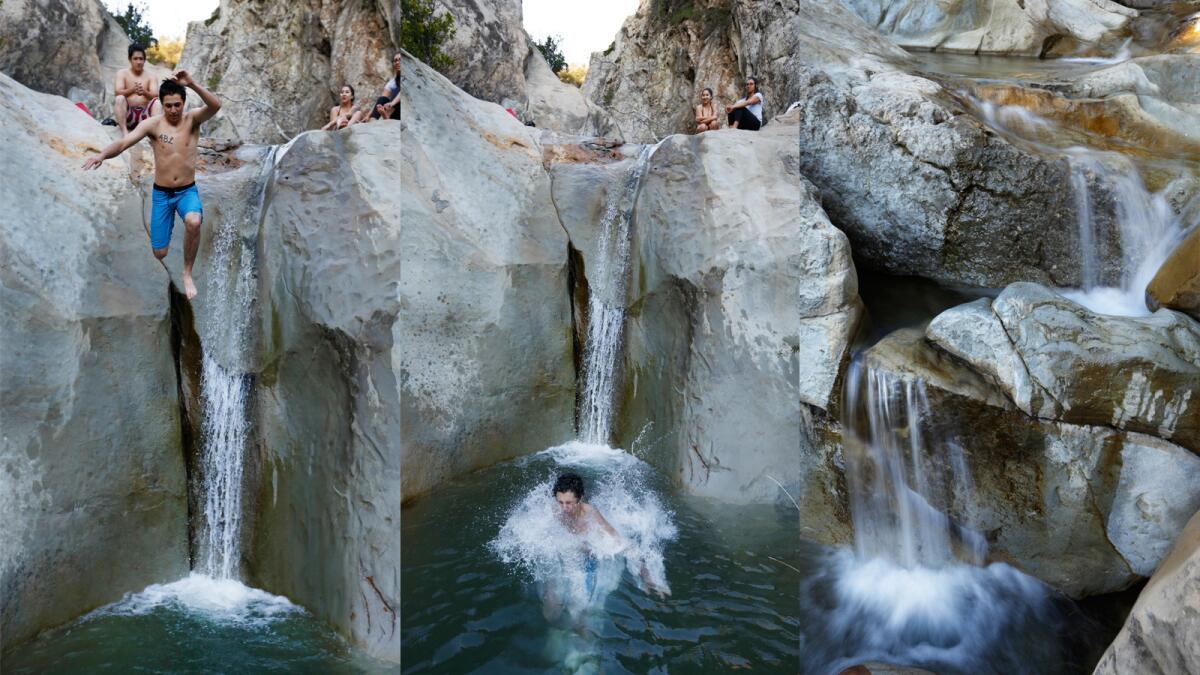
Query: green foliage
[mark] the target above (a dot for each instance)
(611, 46)
(422, 33)
(133, 22)
(215, 15)
(550, 50)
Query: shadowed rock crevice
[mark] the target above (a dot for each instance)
(188, 354)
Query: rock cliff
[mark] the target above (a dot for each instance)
(278, 66)
(93, 495)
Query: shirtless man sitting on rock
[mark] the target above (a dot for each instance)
(174, 136)
(136, 92)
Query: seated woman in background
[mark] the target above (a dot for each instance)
(344, 114)
(748, 111)
(388, 105)
(706, 113)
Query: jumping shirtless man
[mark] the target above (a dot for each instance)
(136, 92)
(173, 135)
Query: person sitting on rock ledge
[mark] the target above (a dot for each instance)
(747, 113)
(388, 105)
(344, 114)
(174, 136)
(706, 113)
(136, 92)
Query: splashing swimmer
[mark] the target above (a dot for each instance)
(580, 518)
(174, 136)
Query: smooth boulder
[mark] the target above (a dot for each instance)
(1056, 360)
(93, 491)
(1177, 283)
(1162, 633)
(739, 284)
(327, 404)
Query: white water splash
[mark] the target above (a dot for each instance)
(606, 306)
(950, 619)
(916, 591)
(218, 600)
(577, 571)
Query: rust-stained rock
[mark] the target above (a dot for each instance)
(1177, 283)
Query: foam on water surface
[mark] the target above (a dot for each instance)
(225, 601)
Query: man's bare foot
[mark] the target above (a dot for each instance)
(189, 286)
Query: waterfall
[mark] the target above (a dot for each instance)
(901, 476)
(606, 306)
(224, 389)
(1148, 228)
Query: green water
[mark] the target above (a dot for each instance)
(733, 603)
(199, 629)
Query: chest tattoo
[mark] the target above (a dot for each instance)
(169, 140)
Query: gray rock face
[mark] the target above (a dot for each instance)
(495, 60)
(93, 497)
(278, 66)
(71, 48)
(1057, 360)
(992, 26)
(328, 396)
(919, 186)
(489, 49)
(922, 189)
(486, 368)
(740, 285)
(1162, 632)
(1087, 509)
(668, 52)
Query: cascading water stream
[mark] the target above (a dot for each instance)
(224, 390)
(1147, 226)
(902, 481)
(916, 590)
(606, 307)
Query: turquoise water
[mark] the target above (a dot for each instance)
(195, 625)
(733, 602)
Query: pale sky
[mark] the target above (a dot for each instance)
(168, 18)
(586, 26)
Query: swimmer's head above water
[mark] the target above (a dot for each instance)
(568, 492)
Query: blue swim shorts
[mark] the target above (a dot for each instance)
(166, 202)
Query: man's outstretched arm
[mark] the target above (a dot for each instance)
(211, 103)
(120, 145)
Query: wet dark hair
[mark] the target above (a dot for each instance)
(351, 88)
(709, 90)
(135, 48)
(569, 482)
(170, 88)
